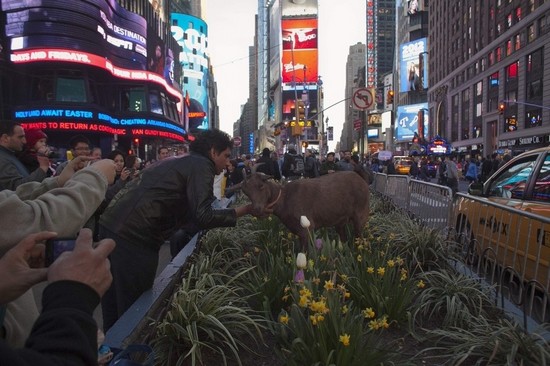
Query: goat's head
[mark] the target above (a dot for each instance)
(257, 189)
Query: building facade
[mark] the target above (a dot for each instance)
(488, 87)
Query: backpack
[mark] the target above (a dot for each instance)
(298, 167)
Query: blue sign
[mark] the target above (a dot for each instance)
(251, 143)
(406, 124)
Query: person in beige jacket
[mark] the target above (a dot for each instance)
(61, 204)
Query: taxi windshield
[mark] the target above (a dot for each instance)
(511, 182)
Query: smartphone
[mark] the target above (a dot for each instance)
(55, 247)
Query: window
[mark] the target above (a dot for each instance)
(511, 182)
(531, 33)
(155, 102)
(70, 90)
(512, 71)
(493, 80)
(133, 99)
(533, 118)
(541, 191)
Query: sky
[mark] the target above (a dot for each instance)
(231, 33)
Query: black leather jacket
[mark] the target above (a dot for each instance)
(164, 197)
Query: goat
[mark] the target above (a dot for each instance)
(332, 200)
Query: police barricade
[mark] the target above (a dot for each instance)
(430, 203)
(397, 189)
(379, 184)
(509, 248)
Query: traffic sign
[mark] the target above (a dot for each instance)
(362, 98)
(237, 141)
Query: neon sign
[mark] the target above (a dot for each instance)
(56, 55)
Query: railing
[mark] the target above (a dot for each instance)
(504, 246)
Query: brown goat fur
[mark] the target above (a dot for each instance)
(332, 200)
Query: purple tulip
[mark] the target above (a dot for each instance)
(299, 277)
(318, 243)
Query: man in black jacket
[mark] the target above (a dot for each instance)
(66, 332)
(166, 196)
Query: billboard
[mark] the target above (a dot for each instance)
(309, 97)
(102, 27)
(414, 6)
(410, 55)
(407, 122)
(300, 51)
(191, 33)
(292, 8)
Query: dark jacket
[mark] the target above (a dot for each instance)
(64, 334)
(265, 165)
(311, 167)
(13, 173)
(326, 166)
(164, 197)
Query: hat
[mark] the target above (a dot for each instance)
(33, 135)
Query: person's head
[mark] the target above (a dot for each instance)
(36, 139)
(162, 153)
(266, 152)
(330, 156)
(96, 153)
(274, 155)
(80, 145)
(118, 157)
(347, 155)
(132, 162)
(12, 136)
(215, 145)
(309, 152)
(355, 158)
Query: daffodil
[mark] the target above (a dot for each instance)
(391, 263)
(345, 309)
(344, 339)
(359, 258)
(369, 313)
(303, 301)
(370, 270)
(381, 271)
(283, 319)
(329, 285)
(304, 222)
(301, 261)
(421, 284)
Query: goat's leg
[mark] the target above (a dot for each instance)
(341, 230)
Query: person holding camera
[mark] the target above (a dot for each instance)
(37, 154)
(12, 171)
(65, 332)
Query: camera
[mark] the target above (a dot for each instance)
(55, 247)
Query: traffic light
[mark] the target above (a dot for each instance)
(389, 97)
(501, 107)
(136, 141)
(301, 110)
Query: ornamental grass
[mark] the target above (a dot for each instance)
(391, 297)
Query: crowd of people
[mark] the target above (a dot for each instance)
(119, 212)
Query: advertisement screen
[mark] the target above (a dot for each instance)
(414, 6)
(300, 51)
(102, 28)
(407, 122)
(191, 33)
(309, 97)
(410, 56)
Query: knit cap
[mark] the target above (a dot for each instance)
(32, 135)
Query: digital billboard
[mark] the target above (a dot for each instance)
(101, 27)
(291, 8)
(300, 51)
(410, 56)
(191, 33)
(309, 97)
(407, 122)
(414, 6)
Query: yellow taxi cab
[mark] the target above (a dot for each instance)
(506, 219)
(403, 164)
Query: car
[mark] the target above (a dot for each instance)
(402, 164)
(491, 224)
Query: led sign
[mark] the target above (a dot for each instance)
(86, 58)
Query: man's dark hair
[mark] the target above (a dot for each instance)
(160, 148)
(75, 140)
(208, 139)
(113, 154)
(8, 127)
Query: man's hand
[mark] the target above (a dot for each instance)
(85, 264)
(16, 266)
(105, 166)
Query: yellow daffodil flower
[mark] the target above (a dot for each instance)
(344, 339)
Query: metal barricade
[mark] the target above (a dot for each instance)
(509, 248)
(430, 203)
(397, 189)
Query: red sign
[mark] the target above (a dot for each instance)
(237, 141)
